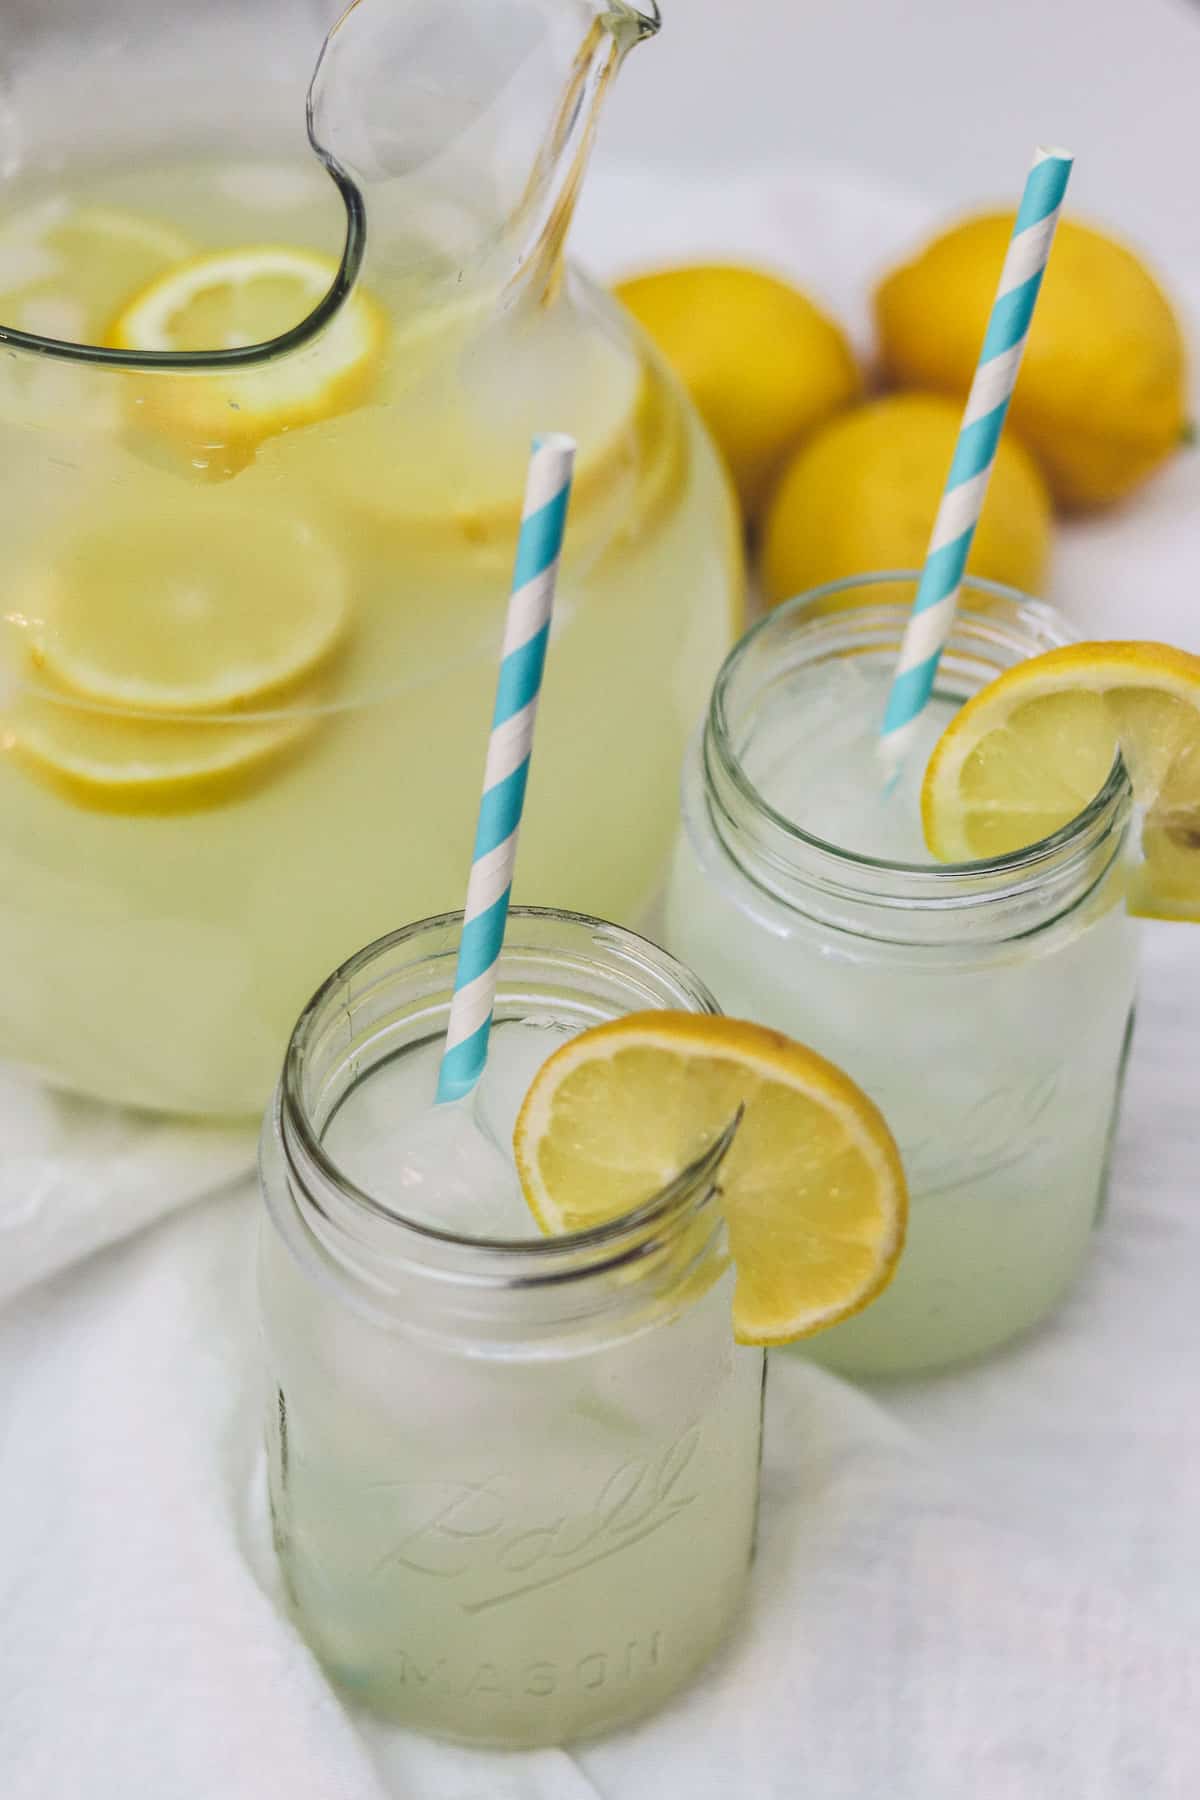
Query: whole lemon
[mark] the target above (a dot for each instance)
(762, 363)
(1101, 398)
(863, 494)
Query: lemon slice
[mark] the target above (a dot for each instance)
(440, 461)
(812, 1189)
(236, 298)
(64, 270)
(1027, 754)
(188, 611)
(116, 764)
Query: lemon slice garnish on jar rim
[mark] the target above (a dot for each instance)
(232, 299)
(1030, 751)
(811, 1189)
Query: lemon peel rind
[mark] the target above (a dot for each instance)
(239, 406)
(778, 1060)
(1098, 668)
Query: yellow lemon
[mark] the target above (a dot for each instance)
(811, 1186)
(863, 495)
(764, 365)
(1029, 751)
(231, 300)
(1102, 394)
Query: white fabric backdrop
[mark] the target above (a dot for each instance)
(943, 94)
(983, 1584)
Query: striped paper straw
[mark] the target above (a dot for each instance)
(526, 634)
(932, 618)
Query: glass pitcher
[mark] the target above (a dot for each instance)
(267, 384)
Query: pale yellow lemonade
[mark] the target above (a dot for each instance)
(248, 654)
(513, 1477)
(512, 1543)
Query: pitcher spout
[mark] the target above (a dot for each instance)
(630, 24)
(466, 128)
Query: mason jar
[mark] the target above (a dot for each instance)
(513, 1480)
(986, 1007)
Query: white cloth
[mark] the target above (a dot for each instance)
(75, 1174)
(983, 1584)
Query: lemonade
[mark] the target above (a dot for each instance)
(513, 1483)
(985, 1008)
(251, 619)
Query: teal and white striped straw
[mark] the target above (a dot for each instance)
(526, 635)
(932, 618)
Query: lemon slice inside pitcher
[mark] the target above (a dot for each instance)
(63, 271)
(189, 612)
(174, 654)
(122, 764)
(441, 461)
(231, 300)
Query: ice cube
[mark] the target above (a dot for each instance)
(270, 187)
(429, 1163)
(516, 1051)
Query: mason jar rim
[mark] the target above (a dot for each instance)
(925, 883)
(517, 1262)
